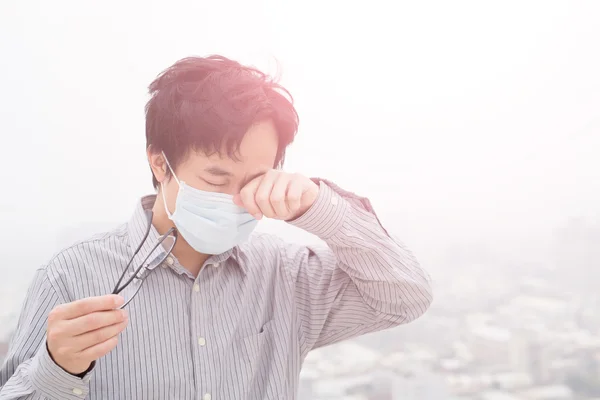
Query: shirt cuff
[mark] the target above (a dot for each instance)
(53, 382)
(325, 217)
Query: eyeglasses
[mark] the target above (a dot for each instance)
(131, 279)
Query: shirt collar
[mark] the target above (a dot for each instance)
(137, 226)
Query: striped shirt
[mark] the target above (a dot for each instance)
(240, 329)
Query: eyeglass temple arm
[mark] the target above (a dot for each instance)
(170, 232)
(149, 214)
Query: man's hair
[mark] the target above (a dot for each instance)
(207, 104)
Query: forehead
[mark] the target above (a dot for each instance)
(257, 152)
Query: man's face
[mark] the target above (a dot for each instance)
(219, 173)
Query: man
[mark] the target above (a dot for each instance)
(224, 316)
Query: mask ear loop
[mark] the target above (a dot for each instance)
(162, 188)
(170, 169)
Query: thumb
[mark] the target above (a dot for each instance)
(237, 200)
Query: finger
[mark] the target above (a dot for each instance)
(263, 195)
(90, 339)
(93, 321)
(247, 196)
(278, 198)
(294, 195)
(237, 200)
(100, 349)
(85, 306)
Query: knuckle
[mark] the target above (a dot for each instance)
(115, 329)
(276, 198)
(118, 326)
(111, 317)
(54, 335)
(55, 313)
(113, 341)
(99, 336)
(122, 326)
(261, 198)
(79, 305)
(93, 320)
(294, 201)
(294, 196)
(117, 316)
(61, 331)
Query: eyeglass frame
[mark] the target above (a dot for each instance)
(143, 264)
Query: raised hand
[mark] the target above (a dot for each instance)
(278, 195)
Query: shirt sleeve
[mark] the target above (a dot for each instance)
(362, 281)
(28, 371)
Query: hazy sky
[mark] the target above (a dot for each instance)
(460, 120)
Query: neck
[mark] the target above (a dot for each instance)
(189, 258)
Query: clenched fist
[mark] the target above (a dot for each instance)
(278, 195)
(83, 331)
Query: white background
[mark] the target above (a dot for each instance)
(462, 121)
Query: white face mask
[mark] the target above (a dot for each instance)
(210, 222)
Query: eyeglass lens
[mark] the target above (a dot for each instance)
(136, 276)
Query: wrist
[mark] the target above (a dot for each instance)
(326, 215)
(67, 370)
(53, 382)
(308, 200)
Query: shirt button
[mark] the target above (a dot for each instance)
(170, 260)
(207, 396)
(216, 265)
(201, 341)
(77, 391)
(334, 201)
(196, 287)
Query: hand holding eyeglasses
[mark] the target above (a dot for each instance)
(83, 331)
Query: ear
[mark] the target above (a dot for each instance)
(157, 164)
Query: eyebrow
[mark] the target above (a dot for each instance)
(217, 171)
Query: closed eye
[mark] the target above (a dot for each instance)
(213, 183)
